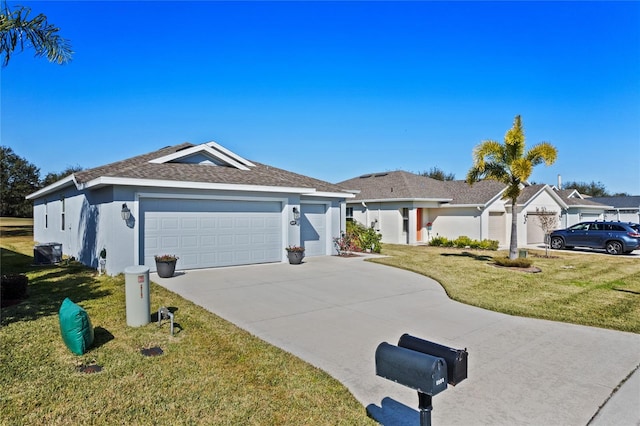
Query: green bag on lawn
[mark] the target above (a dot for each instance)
(75, 327)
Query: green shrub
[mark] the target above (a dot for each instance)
(489, 245)
(359, 238)
(520, 262)
(464, 242)
(438, 241)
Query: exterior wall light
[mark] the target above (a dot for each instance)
(296, 216)
(125, 213)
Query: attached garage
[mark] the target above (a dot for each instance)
(211, 233)
(313, 229)
(497, 227)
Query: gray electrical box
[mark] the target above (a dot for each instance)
(136, 281)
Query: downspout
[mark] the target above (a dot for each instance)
(366, 212)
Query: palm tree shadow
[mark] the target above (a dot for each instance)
(479, 257)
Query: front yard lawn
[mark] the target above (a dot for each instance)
(211, 372)
(598, 290)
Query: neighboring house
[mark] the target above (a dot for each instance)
(203, 203)
(407, 208)
(579, 208)
(622, 208)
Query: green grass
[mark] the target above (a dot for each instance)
(596, 290)
(211, 372)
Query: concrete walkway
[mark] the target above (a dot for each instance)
(333, 312)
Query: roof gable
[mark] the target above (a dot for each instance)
(210, 154)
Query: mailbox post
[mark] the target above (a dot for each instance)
(421, 365)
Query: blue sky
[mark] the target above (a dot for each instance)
(334, 90)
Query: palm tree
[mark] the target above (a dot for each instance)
(16, 29)
(510, 164)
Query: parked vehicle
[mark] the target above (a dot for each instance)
(614, 237)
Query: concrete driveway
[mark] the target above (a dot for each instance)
(333, 312)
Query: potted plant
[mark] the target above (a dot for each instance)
(166, 265)
(295, 254)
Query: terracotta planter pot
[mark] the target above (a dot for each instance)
(295, 257)
(166, 269)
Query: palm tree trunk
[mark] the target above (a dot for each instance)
(513, 244)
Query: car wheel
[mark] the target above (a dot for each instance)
(614, 247)
(557, 243)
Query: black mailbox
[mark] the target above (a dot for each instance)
(456, 359)
(425, 373)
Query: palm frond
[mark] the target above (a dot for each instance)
(543, 152)
(16, 30)
(521, 169)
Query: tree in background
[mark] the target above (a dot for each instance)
(19, 178)
(510, 164)
(593, 189)
(16, 30)
(53, 177)
(436, 173)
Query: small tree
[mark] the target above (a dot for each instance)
(510, 164)
(548, 221)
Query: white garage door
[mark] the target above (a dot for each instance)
(210, 233)
(313, 229)
(497, 227)
(535, 233)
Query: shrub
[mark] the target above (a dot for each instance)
(358, 238)
(438, 241)
(489, 245)
(520, 262)
(13, 286)
(463, 242)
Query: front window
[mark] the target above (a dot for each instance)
(405, 220)
(349, 213)
(62, 214)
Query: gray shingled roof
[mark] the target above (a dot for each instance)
(409, 186)
(139, 168)
(577, 201)
(396, 185)
(619, 202)
(479, 193)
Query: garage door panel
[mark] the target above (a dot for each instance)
(190, 242)
(189, 223)
(211, 233)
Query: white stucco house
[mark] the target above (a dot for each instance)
(580, 208)
(203, 203)
(410, 209)
(625, 208)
